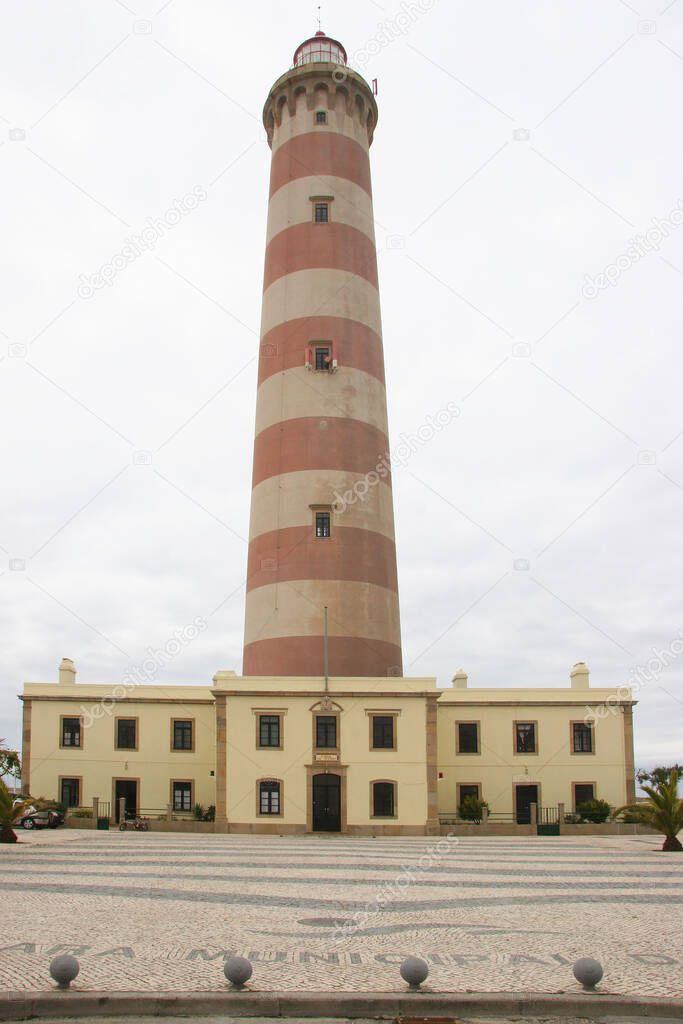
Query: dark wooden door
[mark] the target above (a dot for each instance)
(128, 789)
(525, 796)
(326, 803)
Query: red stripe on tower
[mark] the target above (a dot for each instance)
(329, 245)
(351, 656)
(356, 346)
(311, 443)
(321, 153)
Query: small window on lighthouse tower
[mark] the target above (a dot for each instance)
(322, 524)
(321, 209)
(321, 117)
(323, 359)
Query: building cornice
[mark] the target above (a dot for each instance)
(98, 697)
(373, 694)
(586, 701)
(369, 693)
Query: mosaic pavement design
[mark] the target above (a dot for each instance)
(156, 912)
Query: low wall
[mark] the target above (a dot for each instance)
(154, 826)
(501, 1006)
(494, 828)
(181, 826)
(509, 828)
(498, 828)
(608, 828)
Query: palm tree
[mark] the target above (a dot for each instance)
(10, 813)
(662, 811)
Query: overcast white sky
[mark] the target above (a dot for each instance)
(521, 146)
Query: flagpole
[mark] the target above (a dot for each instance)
(326, 662)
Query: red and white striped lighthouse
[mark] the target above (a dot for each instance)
(322, 522)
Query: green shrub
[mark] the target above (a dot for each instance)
(595, 811)
(81, 812)
(198, 812)
(210, 813)
(629, 818)
(472, 809)
(572, 819)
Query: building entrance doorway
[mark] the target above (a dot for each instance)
(525, 796)
(327, 803)
(128, 790)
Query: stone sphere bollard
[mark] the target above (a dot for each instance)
(588, 972)
(64, 969)
(237, 970)
(414, 971)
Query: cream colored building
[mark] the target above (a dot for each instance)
(357, 756)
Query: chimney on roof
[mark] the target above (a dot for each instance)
(460, 680)
(579, 676)
(67, 672)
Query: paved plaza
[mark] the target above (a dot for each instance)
(147, 912)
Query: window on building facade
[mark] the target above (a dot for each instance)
(182, 796)
(322, 524)
(383, 799)
(525, 737)
(582, 737)
(269, 730)
(323, 360)
(321, 117)
(183, 738)
(321, 213)
(583, 791)
(126, 734)
(383, 732)
(71, 732)
(326, 731)
(468, 738)
(466, 789)
(269, 797)
(70, 792)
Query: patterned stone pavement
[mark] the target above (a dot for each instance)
(160, 911)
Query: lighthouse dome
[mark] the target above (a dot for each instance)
(320, 49)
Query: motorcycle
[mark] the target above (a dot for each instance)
(134, 822)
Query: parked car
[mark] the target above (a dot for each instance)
(48, 818)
